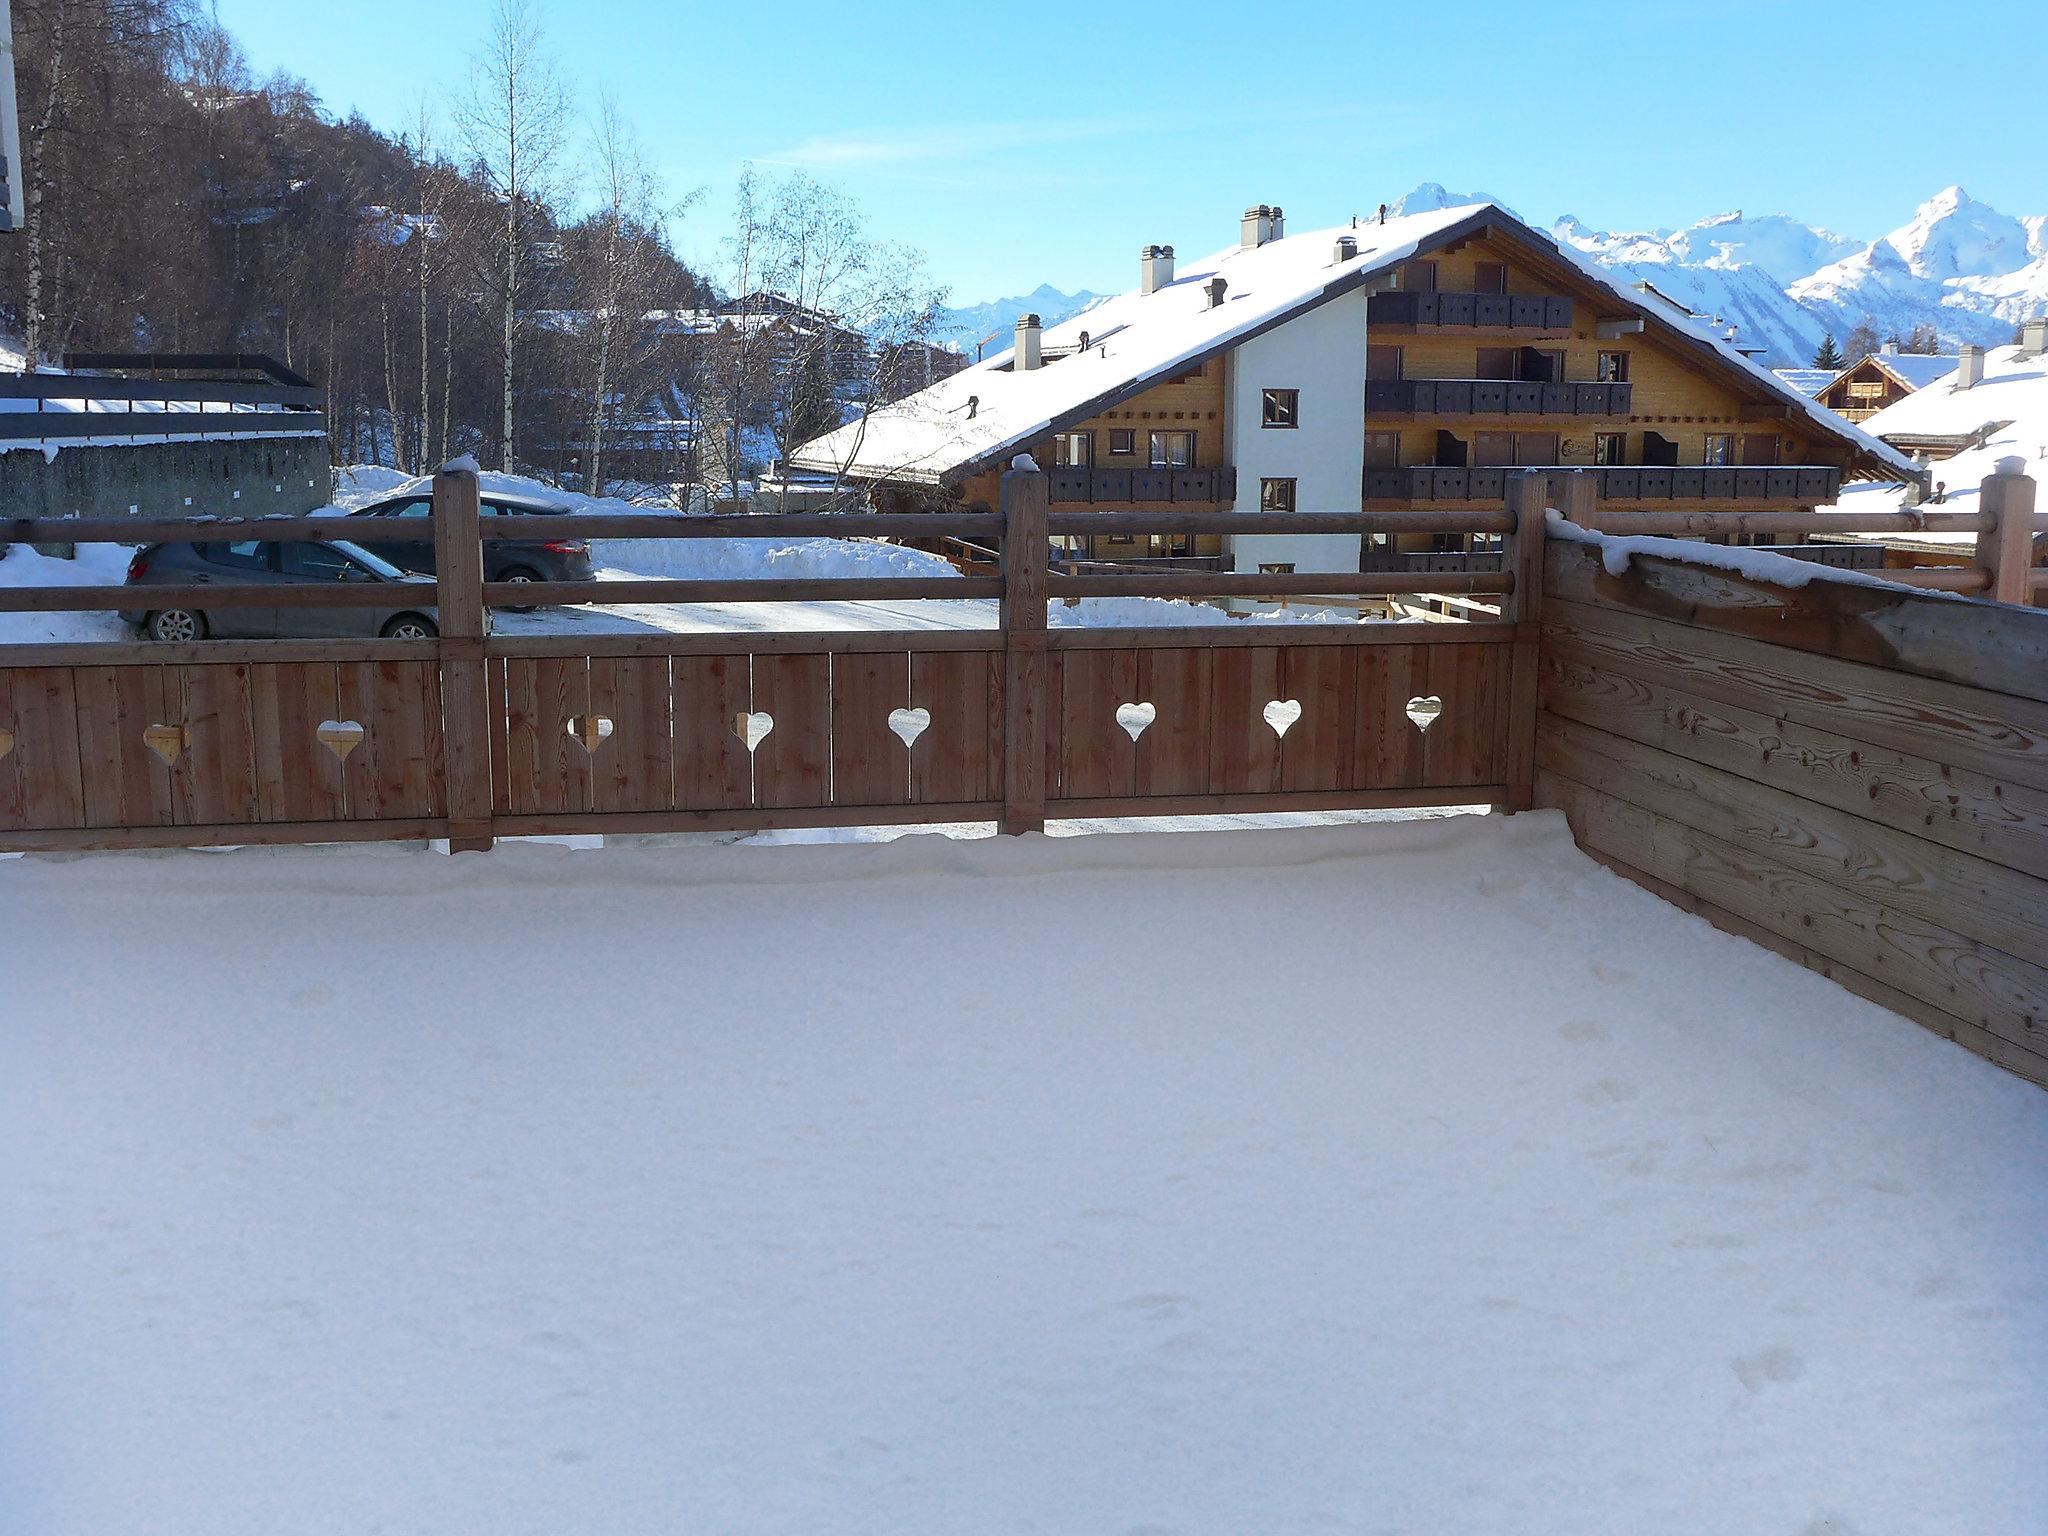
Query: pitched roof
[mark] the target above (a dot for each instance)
(1808, 381)
(1915, 370)
(1136, 340)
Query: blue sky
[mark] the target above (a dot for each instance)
(1016, 144)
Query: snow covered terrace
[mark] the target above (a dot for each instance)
(1415, 1177)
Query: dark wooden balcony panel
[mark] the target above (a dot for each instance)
(1474, 311)
(1807, 484)
(1113, 487)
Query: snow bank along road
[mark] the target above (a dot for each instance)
(1403, 1178)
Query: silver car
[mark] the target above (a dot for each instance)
(261, 563)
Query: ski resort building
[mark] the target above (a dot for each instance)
(1410, 363)
(1882, 379)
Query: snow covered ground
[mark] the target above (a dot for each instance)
(1419, 1178)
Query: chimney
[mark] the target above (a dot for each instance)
(1969, 366)
(1889, 349)
(1347, 249)
(1027, 344)
(1259, 225)
(2034, 336)
(1216, 288)
(1155, 268)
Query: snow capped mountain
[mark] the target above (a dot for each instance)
(962, 328)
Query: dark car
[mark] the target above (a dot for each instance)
(514, 560)
(254, 562)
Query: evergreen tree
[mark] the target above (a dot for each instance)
(1829, 356)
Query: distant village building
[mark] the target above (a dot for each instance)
(1410, 363)
(1882, 379)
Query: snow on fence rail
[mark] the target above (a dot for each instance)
(1851, 772)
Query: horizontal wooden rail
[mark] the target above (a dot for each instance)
(745, 525)
(1301, 583)
(30, 426)
(1073, 524)
(1938, 578)
(153, 653)
(309, 594)
(853, 589)
(725, 642)
(1692, 525)
(173, 530)
(84, 386)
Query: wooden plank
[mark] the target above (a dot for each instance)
(214, 781)
(1173, 752)
(752, 819)
(1463, 746)
(1981, 900)
(548, 772)
(793, 763)
(1955, 807)
(1244, 751)
(713, 769)
(464, 716)
(633, 769)
(1977, 644)
(1996, 734)
(498, 702)
(2015, 1059)
(1975, 983)
(12, 814)
(149, 653)
(1031, 683)
(45, 756)
(870, 764)
(254, 835)
(794, 589)
(1387, 748)
(960, 755)
(297, 778)
(1315, 754)
(1255, 632)
(1280, 802)
(124, 783)
(1097, 755)
(397, 772)
(1305, 584)
(835, 642)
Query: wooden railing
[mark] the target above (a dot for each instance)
(110, 406)
(1475, 311)
(1183, 486)
(1494, 397)
(1805, 484)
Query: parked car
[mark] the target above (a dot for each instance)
(254, 562)
(513, 560)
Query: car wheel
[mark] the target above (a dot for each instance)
(519, 576)
(411, 626)
(176, 626)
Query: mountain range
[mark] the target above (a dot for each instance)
(1962, 266)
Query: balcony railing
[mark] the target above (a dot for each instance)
(1118, 487)
(1493, 397)
(1805, 484)
(1472, 311)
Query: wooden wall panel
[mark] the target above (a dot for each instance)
(870, 764)
(48, 779)
(11, 812)
(713, 769)
(1098, 759)
(125, 784)
(215, 778)
(1316, 752)
(632, 769)
(1173, 753)
(546, 771)
(1388, 751)
(1244, 751)
(297, 778)
(959, 758)
(793, 763)
(398, 772)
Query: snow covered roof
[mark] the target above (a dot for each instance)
(1137, 340)
(2011, 399)
(1808, 381)
(1915, 370)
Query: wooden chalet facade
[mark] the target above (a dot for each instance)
(1884, 378)
(1387, 367)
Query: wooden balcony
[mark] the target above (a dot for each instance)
(1521, 314)
(1806, 485)
(1493, 397)
(1143, 487)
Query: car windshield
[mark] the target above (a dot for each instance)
(362, 556)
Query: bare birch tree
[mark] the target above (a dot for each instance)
(515, 120)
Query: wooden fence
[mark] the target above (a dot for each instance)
(1854, 775)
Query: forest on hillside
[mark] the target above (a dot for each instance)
(496, 277)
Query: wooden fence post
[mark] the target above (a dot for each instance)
(465, 695)
(1522, 556)
(1580, 500)
(1026, 665)
(2006, 549)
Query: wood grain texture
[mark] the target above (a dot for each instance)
(214, 780)
(1172, 756)
(959, 758)
(1244, 751)
(548, 773)
(870, 763)
(1096, 755)
(297, 779)
(399, 771)
(793, 763)
(124, 783)
(713, 769)
(632, 770)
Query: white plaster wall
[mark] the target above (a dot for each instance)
(1322, 354)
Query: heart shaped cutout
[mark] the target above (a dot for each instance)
(1282, 713)
(1424, 711)
(753, 728)
(1135, 718)
(590, 731)
(909, 724)
(6, 742)
(168, 742)
(340, 737)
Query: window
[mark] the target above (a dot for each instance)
(1382, 362)
(1416, 277)
(1382, 450)
(1496, 363)
(248, 555)
(1073, 450)
(1276, 567)
(1490, 277)
(1123, 440)
(1610, 448)
(1613, 368)
(1493, 448)
(1276, 495)
(1535, 447)
(1280, 408)
(1173, 450)
(1759, 448)
(1720, 448)
(418, 507)
(316, 562)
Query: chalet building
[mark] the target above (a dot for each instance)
(1884, 378)
(1410, 363)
